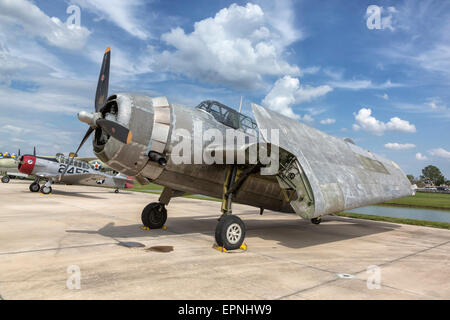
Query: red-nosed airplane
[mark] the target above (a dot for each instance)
(78, 172)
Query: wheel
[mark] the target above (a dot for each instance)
(154, 215)
(116, 191)
(46, 190)
(317, 220)
(5, 179)
(230, 232)
(34, 187)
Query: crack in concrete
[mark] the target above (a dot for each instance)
(359, 272)
(51, 249)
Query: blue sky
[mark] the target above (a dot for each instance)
(387, 88)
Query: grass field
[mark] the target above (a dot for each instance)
(423, 200)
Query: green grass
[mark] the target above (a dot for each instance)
(434, 224)
(147, 187)
(423, 200)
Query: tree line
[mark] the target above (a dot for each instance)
(430, 175)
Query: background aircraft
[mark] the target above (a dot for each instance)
(78, 172)
(8, 166)
(319, 174)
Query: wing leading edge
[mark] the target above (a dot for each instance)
(339, 174)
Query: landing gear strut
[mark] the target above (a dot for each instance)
(47, 187)
(5, 179)
(230, 231)
(154, 215)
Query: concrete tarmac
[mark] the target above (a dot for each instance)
(44, 238)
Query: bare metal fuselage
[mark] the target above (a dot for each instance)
(354, 178)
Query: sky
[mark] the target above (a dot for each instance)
(375, 71)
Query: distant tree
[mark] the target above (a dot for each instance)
(432, 174)
(411, 178)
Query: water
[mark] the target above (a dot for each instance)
(409, 213)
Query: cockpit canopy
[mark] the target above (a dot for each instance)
(227, 115)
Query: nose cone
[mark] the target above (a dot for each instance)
(26, 165)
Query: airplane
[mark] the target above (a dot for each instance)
(78, 172)
(8, 165)
(317, 174)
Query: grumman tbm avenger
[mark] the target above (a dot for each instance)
(78, 172)
(274, 163)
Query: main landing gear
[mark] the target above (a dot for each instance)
(5, 179)
(35, 187)
(154, 215)
(46, 188)
(230, 231)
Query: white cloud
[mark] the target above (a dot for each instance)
(327, 121)
(384, 96)
(442, 153)
(287, 92)
(399, 146)
(366, 122)
(122, 13)
(421, 157)
(8, 128)
(238, 46)
(36, 23)
(363, 84)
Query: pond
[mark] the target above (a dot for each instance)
(403, 212)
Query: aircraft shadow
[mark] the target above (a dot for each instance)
(289, 233)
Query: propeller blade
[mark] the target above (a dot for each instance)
(103, 81)
(115, 130)
(86, 136)
(34, 151)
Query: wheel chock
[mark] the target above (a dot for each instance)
(243, 247)
(219, 248)
(147, 228)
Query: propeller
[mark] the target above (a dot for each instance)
(34, 151)
(96, 120)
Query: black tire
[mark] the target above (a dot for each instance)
(317, 220)
(46, 190)
(230, 232)
(35, 187)
(154, 215)
(116, 191)
(5, 179)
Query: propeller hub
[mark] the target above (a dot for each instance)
(89, 118)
